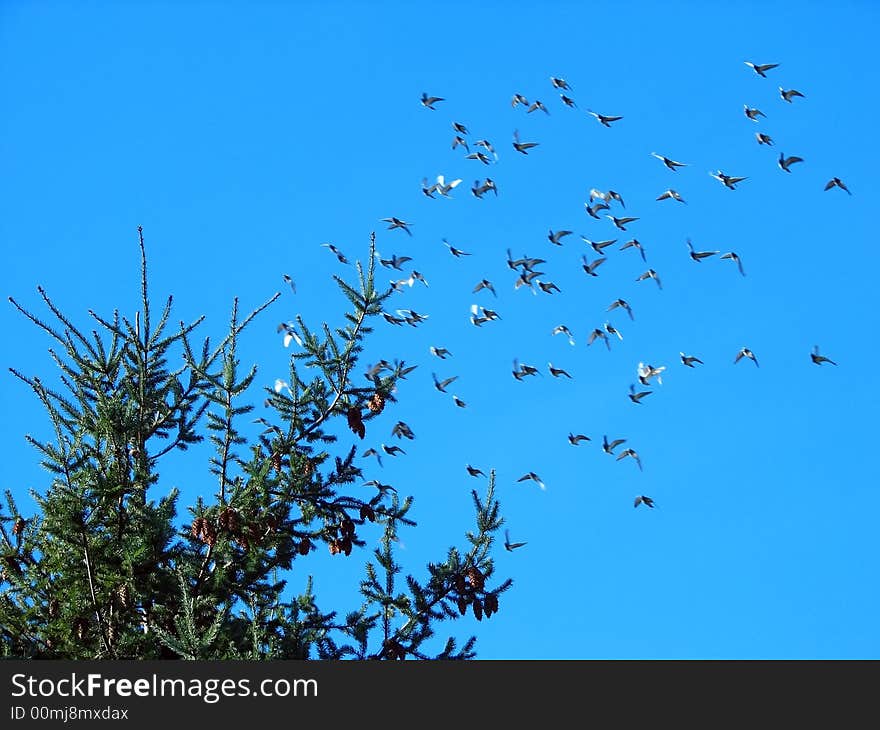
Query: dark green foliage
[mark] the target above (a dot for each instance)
(106, 569)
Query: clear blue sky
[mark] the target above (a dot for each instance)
(244, 135)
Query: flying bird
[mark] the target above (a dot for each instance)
(622, 303)
(590, 268)
(519, 99)
(441, 384)
(548, 287)
(392, 450)
(650, 274)
(511, 546)
(440, 352)
(568, 101)
(746, 352)
(444, 188)
(598, 334)
(732, 255)
(460, 128)
(819, 359)
(459, 141)
(459, 402)
(752, 112)
(634, 243)
(729, 181)
(612, 330)
(537, 105)
(621, 222)
(631, 453)
(671, 164)
(561, 328)
(593, 210)
(836, 182)
(637, 397)
(689, 360)
(764, 139)
(557, 372)
(429, 101)
(574, 440)
(671, 194)
(479, 156)
(523, 147)
(289, 333)
(402, 430)
(339, 255)
(760, 68)
(556, 237)
(698, 255)
(608, 448)
(473, 471)
(597, 246)
(372, 452)
(604, 120)
(559, 83)
(789, 94)
(397, 223)
(457, 252)
(290, 282)
(534, 477)
(784, 162)
(642, 499)
(646, 372)
(484, 284)
(395, 262)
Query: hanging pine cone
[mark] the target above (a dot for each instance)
(460, 585)
(229, 521)
(367, 513)
(478, 609)
(490, 605)
(354, 421)
(347, 527)
(304, 546)
(345, 545)
(376, 403)
(476, 578)
(334, 547)
(276, 461)
(462, 605)
(18, 526)
(198, 527)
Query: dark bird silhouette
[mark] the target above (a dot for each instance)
(752, 112)
(441, 384)
(603, 119)
(729, 181)
(290, 282)
(479, 156)
(535, 106)
(519, 99)
(511, 546)
(557, 372)
(598, 334)
(593, 210)
(637, 397)
(689, 360)
(556, 237)
(836, 182)
(732, 255)
(671, 194)
(574, 440)
(523, 147)
(590, 268)
(534, 477)
(339, 255)
(459, 402)
(698, 255)
(819, 359)
(392, 450)
(789, 94)
(746, 352)
(636, 244)
(650, 274)
(785, 162)
(457, 252)
(559, 83)
(764, 139)
(760, 68)
(631, 453)
(473, 471)
(440, 352)
(402, 431)
(397, 223)
(597, 246)
(484, 284)
(429, 101)
(671, 164)
(642, 499)
(568, 101)
(562, 329)
(621, 222)
(622, 303)
(608, 448)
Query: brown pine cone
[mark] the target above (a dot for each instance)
(476, 578)
(377, 403)
(304, 546)
(478, 609)
(18, 526)
(367, 513)
(462, 605)
(276, 461)
(354, 421)
(229, 520)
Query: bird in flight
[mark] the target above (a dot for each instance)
(441, 384)
(473, 471)
(764, 139)
(398, 223)
(732, 255)
(642, 499)
(429, 101)
(339, 254)
(597, 246)
(598, 334)
(785, 162)
(479, 156)
(729, 181)
(568, 101)
(752, 112)
(392, 450)
(819, 359)
(789, 94)
(671, 164)
(650, 274)
(460, 128)
(746, 352)
(519, 99)
(631, 453)
(836, 182)
(622, 303)
(511, 546)
(637, 397)
(559, 83)
(537, 105)
(402, 430)
(459, 141)
(444, 188)
(534, 477)
(556, 237)
(699, 255)
(607, 447)
(646, 372)
(634, 243)
(574, 440)
(290, 282)
(603, 119)
(523, 147)
(760, 68)
(561, 328)
(457, 252)
(621, 222)
(612, 330)
(590, 268)
(593, 210)
(459, 402)
(557, 372)
(548, 287)
(440, 352)
(395, 262)
(671, 194)
(485, 284)
(689, 360)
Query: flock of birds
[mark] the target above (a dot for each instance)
(528, 273)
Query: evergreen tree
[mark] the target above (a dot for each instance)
(107, 569)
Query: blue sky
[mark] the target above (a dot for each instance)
(244, 135)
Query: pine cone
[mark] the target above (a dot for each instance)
(354, 421)
(462, 605)
(198, 528)
(459, 583)
(490, 605)
(367, 513)
(276, 461)
(476, 578)
(478, 609)
(229, 521)
(345, 545)
(18, 527)
(304, 546)
(347, 527)
(377, 403)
